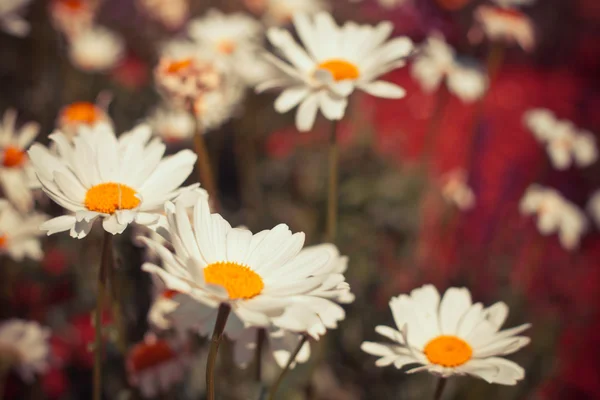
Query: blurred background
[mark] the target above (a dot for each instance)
(397, 224)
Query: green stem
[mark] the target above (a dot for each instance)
(332, 197)
(205, 172)
(435, 123)
(260, 340)
(223, 314)
(287, 367)
(439, 390)
(105, 265)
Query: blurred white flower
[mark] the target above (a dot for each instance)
(566, 145)
(72, 17)
(80, 114)
(280, 12)
(19, 234)
(154, 365)
(191, 80)
(555, 214)
(514, 3)
(25, 344)
(438, 62)
(119, 181)
(593, 207)
(258, 275)
(450, 337)
(335, 61)
(278, 343)
(172, 124)
(16, 174)
(504, 24)
(97, 49)
(456, 191)
(11, 19)
(170, 13)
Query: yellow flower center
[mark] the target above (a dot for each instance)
(448, 351)
(177, 66)
(82, 112)
(226, 46)
(13, 157)
(340, 69)
(109, 197)
(3, 240)
(239, 280)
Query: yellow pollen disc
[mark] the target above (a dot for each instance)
(226, 46)
(448, 351)
(179, 65)
(340, 69)
(239, 280)
(82, 112)
(109, 197)
(13, 157)
(2, 241)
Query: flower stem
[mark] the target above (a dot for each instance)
(260, 340)
(435, 123)
(223, 314)
(285, 370)
(440, 388)
(205, 172)
(105, 265)
(332, 197)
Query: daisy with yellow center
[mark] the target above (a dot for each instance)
(117, 180)
(20, 233)
(80, 114)
(333, 62)
(16, 174)
(450, 336)
(72, 17)
(257, 275)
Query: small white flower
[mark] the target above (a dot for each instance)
(171, 13)
(593, 207)
(25, 344)
(72, 17)
(80, 114)
(555, 214)
(189, 78)
(172, 124)
(564, 142)
(280, 12)
(456, 191)
(506, 25)
(333, 63)
(11, 19)
(154, 365)
(119, 181)
(257, 275)
(438, 62)
(16, 174)
(97, 49)
(279, 344)
(450, 337)
(19, 234)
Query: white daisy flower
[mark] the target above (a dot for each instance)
(257, 275)
(334, 61)
(11, 19)
(564, 143)
(593, 207)
(81, 113)
(506, 25)
(25, 345)
(192, 80)
(450, 337)
(455, 190)
(154, 365)
(97, 49)
(172, 124)
(437, 62)
(281, 12)
(119, 181)
(72, 17)
(19, 234)
(555, 215)
(170, 13)
(16, 174)
(278, 343)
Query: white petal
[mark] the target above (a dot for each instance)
(307, 113)
(384, 89)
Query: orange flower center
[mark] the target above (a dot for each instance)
(3, 240)
(13, 157)
(148, 355)
(226, 46)
(340, 69)
(169, 293)
(109, 197)
(179, 65)
(508, 13)
(72, 5)
(82, 112)
(239, 280)
(448, 351)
